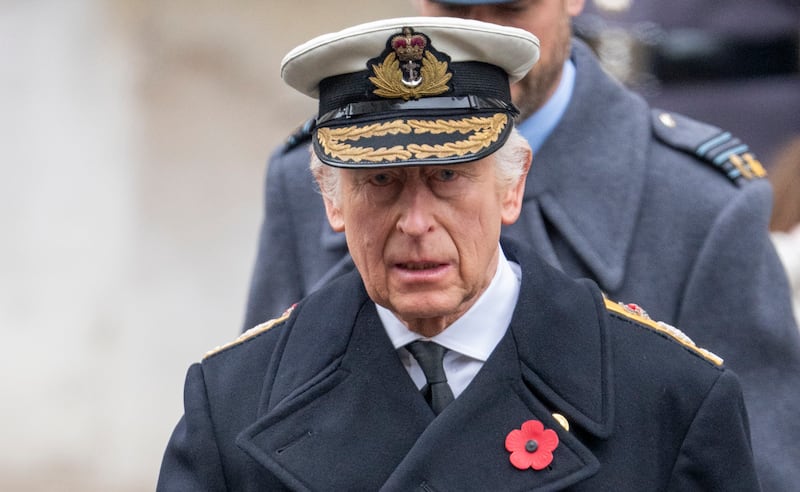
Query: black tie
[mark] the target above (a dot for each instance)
(430, 357)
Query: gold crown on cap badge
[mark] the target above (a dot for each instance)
(409, 48)
(410, 70)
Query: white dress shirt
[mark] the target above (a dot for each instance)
(471, 338)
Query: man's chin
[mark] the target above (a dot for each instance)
(429, 308)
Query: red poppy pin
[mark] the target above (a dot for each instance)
(531, 446)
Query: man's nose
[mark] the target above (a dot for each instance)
(416, 215)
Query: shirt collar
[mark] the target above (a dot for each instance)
(479, 330)
(537, 127)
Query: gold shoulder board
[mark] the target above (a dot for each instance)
(639, 315)
(252, 332)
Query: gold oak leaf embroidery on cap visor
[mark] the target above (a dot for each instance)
(482, 131)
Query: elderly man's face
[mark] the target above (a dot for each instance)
(549, 20)
(425, 238)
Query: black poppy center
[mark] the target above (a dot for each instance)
(531, 446)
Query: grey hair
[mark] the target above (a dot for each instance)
(510, 160)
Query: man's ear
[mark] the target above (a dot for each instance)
(334, 214)
(512, 202)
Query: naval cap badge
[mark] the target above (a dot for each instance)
(411, 69)
(409, 48)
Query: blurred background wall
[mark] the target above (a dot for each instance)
(133, 142)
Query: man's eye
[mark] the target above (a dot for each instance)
(446, 175)
(380, 179)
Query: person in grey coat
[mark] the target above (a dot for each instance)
(449, 360)
(657, 208)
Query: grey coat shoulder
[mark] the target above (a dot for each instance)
(712, 146)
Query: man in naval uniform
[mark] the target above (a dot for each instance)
(445, 360)
(654, 207)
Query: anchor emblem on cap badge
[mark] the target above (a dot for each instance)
(409, 48)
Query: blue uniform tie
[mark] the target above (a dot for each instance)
(430, 357)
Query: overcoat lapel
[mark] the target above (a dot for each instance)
(355, 420)
(350, 424)
(563, 345)
(570, 167)
(531, 229)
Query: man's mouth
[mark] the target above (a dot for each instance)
(419, 266)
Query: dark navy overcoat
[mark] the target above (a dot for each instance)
(320, 401)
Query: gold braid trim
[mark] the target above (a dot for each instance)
(748, 165)
(494, 124)
(366, 131)
(332, 140)
(388, 78)
(346, 152)
(484, 131)
(755, 165)
(663, 328)
(251, 333)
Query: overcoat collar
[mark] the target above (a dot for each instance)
(598, 150)
(346, 412)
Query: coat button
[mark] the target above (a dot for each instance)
(562, 420)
